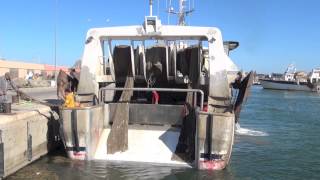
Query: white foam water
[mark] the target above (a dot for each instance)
(144, 145)
(248, 132)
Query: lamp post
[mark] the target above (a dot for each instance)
(55, 39)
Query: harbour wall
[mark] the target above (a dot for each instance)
(26, 134)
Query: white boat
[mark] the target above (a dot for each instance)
(189, 120)
(290, 81)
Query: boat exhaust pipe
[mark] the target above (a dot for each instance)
(150, 6)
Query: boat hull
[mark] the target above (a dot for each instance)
(285, 85)
(153, 135)
(218, 129)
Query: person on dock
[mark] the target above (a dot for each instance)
(237, 82)
(5, 82)
(74, 80)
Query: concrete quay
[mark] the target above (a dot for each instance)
(26, 134)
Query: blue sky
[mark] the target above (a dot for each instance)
(272, 33)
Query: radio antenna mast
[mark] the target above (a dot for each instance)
(182, 13)
(150, 7)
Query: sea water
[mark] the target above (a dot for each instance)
(277, 138)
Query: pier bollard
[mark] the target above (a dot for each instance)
(5, 107)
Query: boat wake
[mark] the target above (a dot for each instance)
(248, 132)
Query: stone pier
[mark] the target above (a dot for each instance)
(26, 134)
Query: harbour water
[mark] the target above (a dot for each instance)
(278, 139)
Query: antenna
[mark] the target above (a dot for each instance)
(158, 8)
(182, 13)
(150, 7)
(169, 9)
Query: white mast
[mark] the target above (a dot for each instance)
(182, 13)
(150, 6)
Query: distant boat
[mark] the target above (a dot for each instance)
(256, 83)
(294, 81)
(257, 77)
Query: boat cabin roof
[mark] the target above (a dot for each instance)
(166, 32)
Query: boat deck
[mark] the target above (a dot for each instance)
(148, 144)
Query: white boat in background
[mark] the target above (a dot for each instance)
(294, 81)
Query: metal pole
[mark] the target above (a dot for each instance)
(169, 11)
(158, 8)
(181, 13)
(150, 6)
(55, 39)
